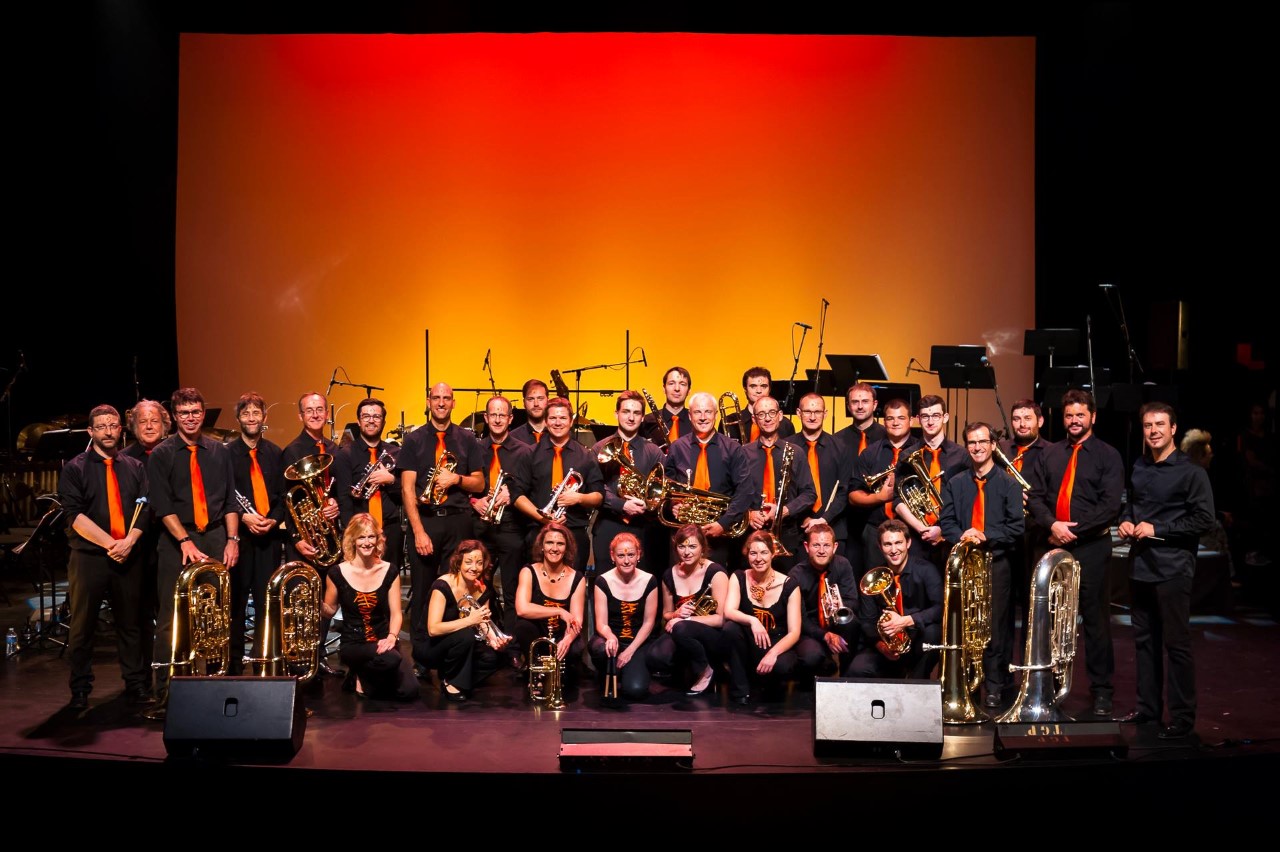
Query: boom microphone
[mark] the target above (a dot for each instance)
(805, 326)
(487, 353)
(643, 359)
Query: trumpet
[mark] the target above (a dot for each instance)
(435, 494)
(873, 481)
(492, 514)
(833, 607)
(486, 631)
(732, 417)
(363, 489)
(665, 443)
(572, 482)
(245, 505)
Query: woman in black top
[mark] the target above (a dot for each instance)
(626, 605)
(551, 596)
(694, 591)
(763, 618)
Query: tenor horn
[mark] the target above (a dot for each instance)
(879, 581)
(966, 614)
(306, 502)
(291, 639)
(1051, 641)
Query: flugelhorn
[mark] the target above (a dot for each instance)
(879, 581)
(731, 417)
(833, 608)
(363, 489)
(306, 502)
(435, 494)
(546, 672)
(493, 514)
(572, 482)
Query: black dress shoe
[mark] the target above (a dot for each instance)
(79, 701)
(458, 696)
(1102, 705)
(993, 701)
(1137, 717)
(741, 700)
(140, 696)
(1176, 731)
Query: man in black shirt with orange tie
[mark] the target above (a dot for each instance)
(883, 463)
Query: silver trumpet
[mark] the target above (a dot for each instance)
(572, 482)
(486, 631)
(493, 514)
(833, 604)
(245, 505)
(363, 489)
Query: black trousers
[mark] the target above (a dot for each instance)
(259, 558)
(384, 675)
(815, 657)
(633, 678)
(1162, 629)
(744, 655)
(458, 658)
(916, 663)
(446, 533)
(999, 651)
(91, 579)
(1094, 557)
(506, 545)
(690, 644)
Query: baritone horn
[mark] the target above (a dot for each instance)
(731, 416)
(291, 639)
(1051, 641)
(966, 616)
(686, 504)
(306, 502)
(200, 635)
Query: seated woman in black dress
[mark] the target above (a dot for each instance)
(693, 585)
(462, 643)
(626, 606)
(763, 621)
(367, 590)
(551, 595)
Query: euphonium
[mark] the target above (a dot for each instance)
(879, 581)
(833, 604)
(493, 514)
(572, 482)
(665, 431)
(291, 639)
(775, 524)
(363, 489)
(486, 631)
(546, 672)
(200, 636)
(686, 504)
(966, 614)
(731, 417)
(615, 451)
(306, 502)
(1051, 641)
(435, 494)
(919, 492)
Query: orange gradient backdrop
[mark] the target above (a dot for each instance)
(342, 199)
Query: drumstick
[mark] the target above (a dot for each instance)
(832, 498)
(138, 504)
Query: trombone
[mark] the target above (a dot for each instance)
(731, 417)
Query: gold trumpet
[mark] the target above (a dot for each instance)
(731, 417)
(306, 502)
(435, 494)
(879, 581)
(572, 482)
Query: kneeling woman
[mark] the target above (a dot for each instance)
(367, 590)
(762, 623)
(462, 644)
(551, 596)
(626, 606)
(694, 593)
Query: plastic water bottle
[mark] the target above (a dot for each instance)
(11, 643)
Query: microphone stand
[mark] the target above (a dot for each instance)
(795, 368)
(1135, 366)
(817, 364)
(368, 389)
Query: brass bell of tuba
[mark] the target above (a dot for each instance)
(966, 615)
(879, 581)
(306, 502)
(1051, 641)
(546, 672)
(919, 492)
(200, 636)
(291, 639)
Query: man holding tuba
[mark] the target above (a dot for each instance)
(548, 486)
(828, 600)
(193, 494)
(779, 482)
(911, 604)
(984, 505)
(260, 488)
(625, 459)
(440, 468)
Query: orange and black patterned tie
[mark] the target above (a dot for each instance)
(201, 512)
(259, 484)
(979, 505)
(702, 473)
(813, 471)
(1063, 512)
(888, 506)
(115, 506)
(822, 611)
(375, 499)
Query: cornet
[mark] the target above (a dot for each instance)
(486, 631)
(493, 514)
(363, 489)
(572, 482)
(873, 481)
(833, 604)
(435, 494)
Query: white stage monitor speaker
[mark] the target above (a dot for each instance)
(869, 717)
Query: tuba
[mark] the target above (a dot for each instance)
(291, 639)
(546, 672)
(572, 482)
(677, 505)
(918, 491)
(1051, 641)
(306, 502)
(731, 418)
(435, 494)
(832, 604)
(879, 581)
(200, 637)
(966, 614)
(664, 443)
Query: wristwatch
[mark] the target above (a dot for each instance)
(183, 541)
(234, 538)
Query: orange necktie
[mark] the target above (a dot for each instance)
(755, 432)
(115, 506)
(813, 471)
(822, 611)
(770, 487)
(862, 441)
(259, 484)
(675, 429)
(888, 507)
(197, 492)
(1017, 460)
(439, 447)
(557, 469)
(935, 468)
(537, 438)
(1063, 512)
(980, 505)
(897, 593)
(375, 499)
(495, 466)
(321, 451)
(702, 474)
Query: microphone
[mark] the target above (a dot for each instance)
(485, 365)
(805, 326)
(332, 381)
(643, 359)
(909, 363)
(983, 359)
(825, 303)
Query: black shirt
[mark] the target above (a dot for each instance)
(1095, 495)
(809, 578)
(1175, 497)
(169, 473)
(270, 457)
(1002, 499)
(82, 490)
(419, 455)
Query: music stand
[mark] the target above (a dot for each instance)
(61, 444)
(886, 391)
(1051, 341)
(965, 355)
(980, 377)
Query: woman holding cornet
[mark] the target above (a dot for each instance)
(763, 618)
(626, 606)
(367, 590)
(462, 642)
(551, 597)
(694, 591)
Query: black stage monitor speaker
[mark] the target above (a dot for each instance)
(869, 717)
(597, 749)
(235, 719)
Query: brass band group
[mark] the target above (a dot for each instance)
(699, 542)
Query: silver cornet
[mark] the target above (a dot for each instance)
(833, 605)
(572, 482)
(486, 631)
(363, 489)
(493, 514)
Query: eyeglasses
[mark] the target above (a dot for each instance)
(985, 443)
(767, 415)
(931, 417)
(189, 415)
(109, 427)
(314, 410)
(372, 418)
